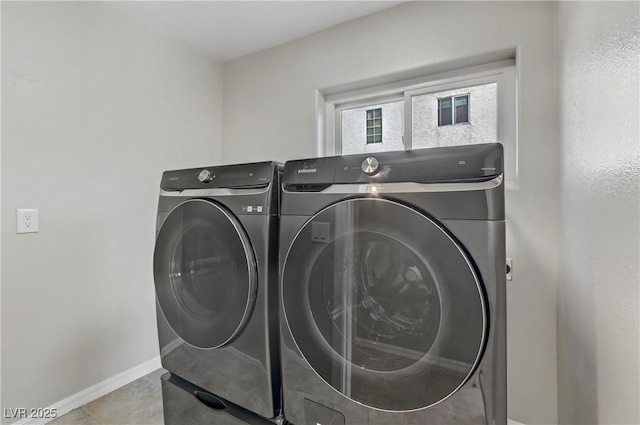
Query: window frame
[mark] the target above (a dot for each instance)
(503, 73)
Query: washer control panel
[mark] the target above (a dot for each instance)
(445, 164)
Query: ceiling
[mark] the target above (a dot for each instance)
(226, 30)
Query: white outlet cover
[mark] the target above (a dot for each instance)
(27, 220)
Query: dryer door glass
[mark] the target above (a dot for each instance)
(205, 273)
(384, 304)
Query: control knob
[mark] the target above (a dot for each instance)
(370, 165)
(205, 176)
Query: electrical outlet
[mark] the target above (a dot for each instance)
(27, 220)
(509, 269)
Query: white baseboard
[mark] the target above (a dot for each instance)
(96, 391)
(510, 422)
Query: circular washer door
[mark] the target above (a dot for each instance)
(384, 304)
(205, 273)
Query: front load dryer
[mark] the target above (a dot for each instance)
(393, 288)
(215, 271)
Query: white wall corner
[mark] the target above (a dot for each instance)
(98, 390)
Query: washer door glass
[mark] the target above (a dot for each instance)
(384, 304)
(205, 273)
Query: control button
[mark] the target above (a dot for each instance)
(205, 176)
(370, 165)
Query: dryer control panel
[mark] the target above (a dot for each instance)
(254, 175)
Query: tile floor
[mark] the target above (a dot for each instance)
(138, 403)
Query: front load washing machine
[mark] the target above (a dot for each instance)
(215, 271)
(393, 288)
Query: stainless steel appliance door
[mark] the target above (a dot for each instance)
(205, 273)
(384, 304)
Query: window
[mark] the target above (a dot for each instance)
(374, 125)
(444, 111)
(424, 112)
(461, 105)
(456, 115)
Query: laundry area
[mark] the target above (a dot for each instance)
(320, 213)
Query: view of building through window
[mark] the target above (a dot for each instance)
(446, 118)
(475, 109)
(476, 105)
(360, 129)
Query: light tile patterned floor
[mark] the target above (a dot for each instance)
(138, 403)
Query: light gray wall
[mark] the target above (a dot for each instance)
(94, 108)
(269, 112)
(598, 294)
